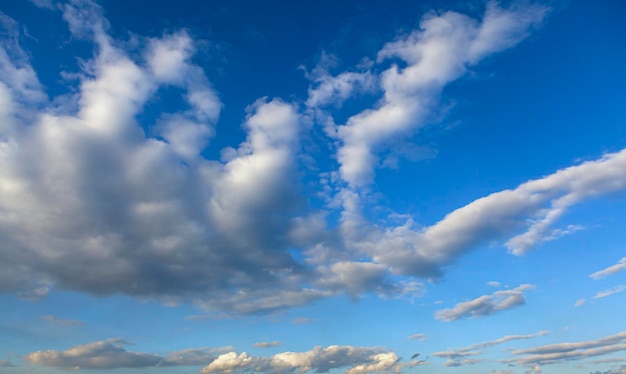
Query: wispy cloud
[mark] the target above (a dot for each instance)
(267, 344)
(620, 266)
(560, 352)
(421, 337)
(59, 321)
(458, 356)
(610, 292)
(485, 305)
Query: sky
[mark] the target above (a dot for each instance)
(344, 186)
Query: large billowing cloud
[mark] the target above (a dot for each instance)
(93, 200)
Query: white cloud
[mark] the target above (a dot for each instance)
(485, 305)
(613, 269)
(533, 205)
(355, 360)
(610, 292)
(421, 337)
(112, 206)
(438, 53)
(580, 302)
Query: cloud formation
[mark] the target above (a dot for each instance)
(613, 269)
(111, 354)
(485, 305)
(461, 356)
(557, 353)
(59, 321)
(355, 360)
(610, 292)
(115, 204)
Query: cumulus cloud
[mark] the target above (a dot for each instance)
(560, 352)
(355, 360)
(485, 305)
(109, 205)
(613, 269)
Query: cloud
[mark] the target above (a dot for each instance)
(620, 266)
(610, 292)
(467, 361)
(115, 202)
(438, 53)
(111, 354)
(457, 356)
(485, 305)
(106, 354)
(267, 344)
(560, 352)
(580, 302)
(60, 321)
(532, 206)
(420, 337)
(355, 360)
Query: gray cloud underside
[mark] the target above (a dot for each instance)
(105, 208)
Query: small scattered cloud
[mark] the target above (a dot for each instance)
(420, 337)
(267, 344)
(610, 292)
(613, 269)
(59, 321)
(494, 284)
(459, 355)
(485, 305)
(467, 361)
(302, 320)
(580, 302)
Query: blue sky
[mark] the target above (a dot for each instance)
(288, 187)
